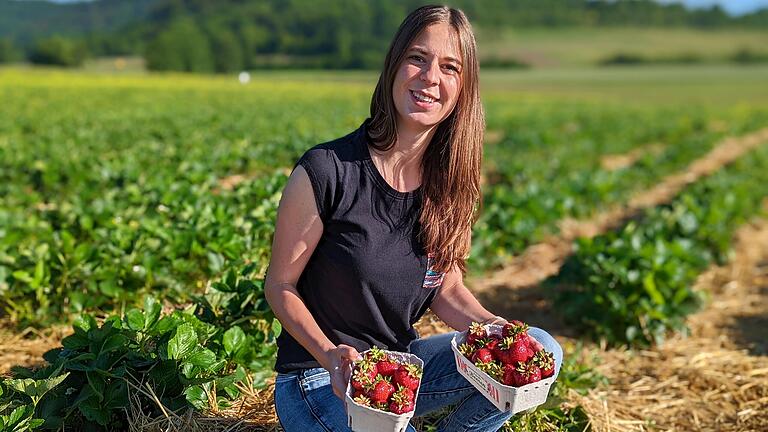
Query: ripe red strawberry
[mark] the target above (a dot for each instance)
(509, 375)
(402, 401)
(381, 391)
(514, 375)
(408, 375)
(482, 355)
(374, 354)
(512, 350)
(530, 372)
(363, 375)
(491, 342)
(400, 407)
(546, 362)
(513, 328)
(387, 366)
(475, 333)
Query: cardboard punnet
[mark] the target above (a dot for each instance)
(366, 419)
(507, 398)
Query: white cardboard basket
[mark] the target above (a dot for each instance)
(508, 398)
(366, 419)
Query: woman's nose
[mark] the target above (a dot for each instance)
(430, 73)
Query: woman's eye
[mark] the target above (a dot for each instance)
(417, 58)
(452, 68)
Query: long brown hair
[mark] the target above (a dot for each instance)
(451, 162)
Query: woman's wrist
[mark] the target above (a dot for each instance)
(326, 360)
(496, 319)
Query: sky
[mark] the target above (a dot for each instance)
(733, 7)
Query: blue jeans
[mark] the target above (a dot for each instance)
(305, 401)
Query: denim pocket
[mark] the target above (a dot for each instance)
(313, 378)
(285, 377)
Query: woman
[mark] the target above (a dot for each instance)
(373, 228)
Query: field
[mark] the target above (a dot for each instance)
(623, 210)
(579, 47)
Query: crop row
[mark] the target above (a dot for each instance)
(542, 184)
(111, 192)
(635, 285)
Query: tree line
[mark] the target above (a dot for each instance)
(230, 35)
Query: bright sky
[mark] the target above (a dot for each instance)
(733, 7)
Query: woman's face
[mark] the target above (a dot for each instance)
(428, 81)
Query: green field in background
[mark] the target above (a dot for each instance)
(569, 47)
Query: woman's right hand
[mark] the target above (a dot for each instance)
(338, 363)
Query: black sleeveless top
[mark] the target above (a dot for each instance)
(367, 281)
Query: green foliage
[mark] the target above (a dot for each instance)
(226, 51)
(635, 285)
(747, 56)
(58, 51)
(8, 51)
(183, 360)
(301, 34)
(19, 399)
(123, 199)
(182, 46)
(548, 166)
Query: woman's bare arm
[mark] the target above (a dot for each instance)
(456, 305)
(297, 232)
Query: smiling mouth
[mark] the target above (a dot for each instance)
(422, 98)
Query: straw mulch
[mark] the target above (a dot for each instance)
(254, 411)
(26, 348)
(714, 380)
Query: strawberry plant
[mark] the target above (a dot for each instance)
(187, 357)
(634, 285)
(19, 399)
(541, 174)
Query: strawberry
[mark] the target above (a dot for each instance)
(546, 362)
(400, 407)
(402, 401)
(482, 355)
(514, 375)
(509, 375)
(408, 375)
(534, 345)
(491, 342)
(530, 372)
(386, 366)
(514, 328)
(363, 375)
(381, 391)
(374, 354)
(512, 350)
(362, 400)
(467, 350)
(475, 333)
(493, 369)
